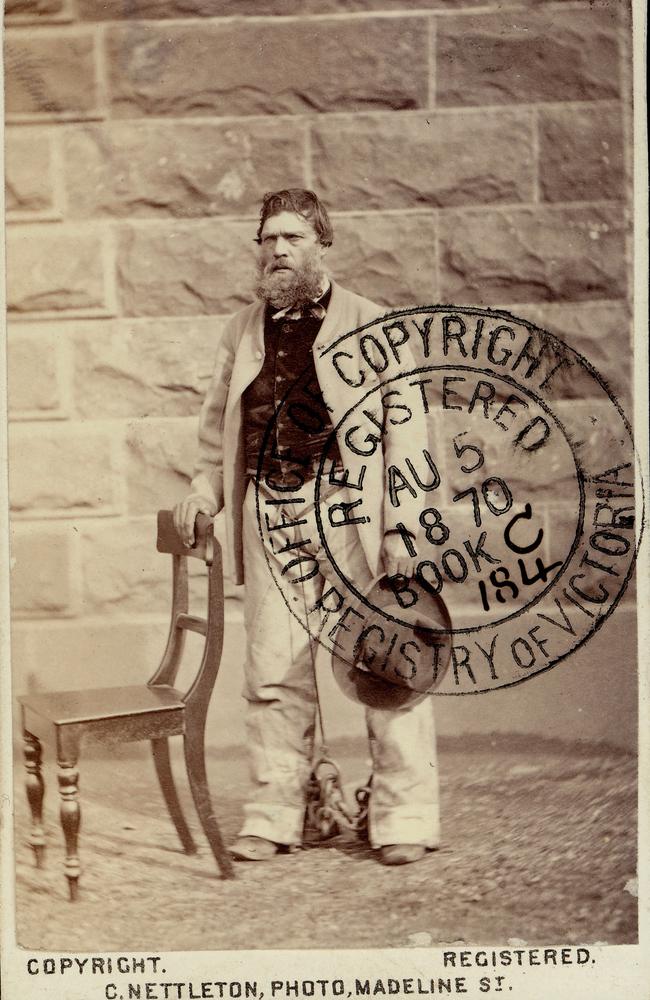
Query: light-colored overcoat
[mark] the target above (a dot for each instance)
(220, 472)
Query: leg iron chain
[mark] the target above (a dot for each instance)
(328, 812)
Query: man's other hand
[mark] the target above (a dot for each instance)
(185, 515)
(395, 557)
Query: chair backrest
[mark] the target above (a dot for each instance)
(207, 549)
(169, 540)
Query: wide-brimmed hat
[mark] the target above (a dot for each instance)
(394, 655)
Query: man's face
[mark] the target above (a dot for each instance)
(290, 259)
(288, 241)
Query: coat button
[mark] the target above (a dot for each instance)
(258, 355)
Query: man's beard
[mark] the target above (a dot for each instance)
(291, 287)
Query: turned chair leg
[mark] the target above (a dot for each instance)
(193, 745)
(35, 791)
(70, 821)
(160, 749)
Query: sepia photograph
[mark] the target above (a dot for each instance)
(324, 665)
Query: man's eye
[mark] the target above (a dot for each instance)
(295, 239)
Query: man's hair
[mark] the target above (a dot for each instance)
(302, 202)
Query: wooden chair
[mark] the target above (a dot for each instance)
(153, 711)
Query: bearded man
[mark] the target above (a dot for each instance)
(264, 347)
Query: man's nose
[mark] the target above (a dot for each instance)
(280, 248)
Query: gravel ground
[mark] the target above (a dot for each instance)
(539, 848)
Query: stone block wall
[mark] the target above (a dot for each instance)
(470, 153)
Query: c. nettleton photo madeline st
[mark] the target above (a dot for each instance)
(415, 985)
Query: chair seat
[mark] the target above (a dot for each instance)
(63, 708)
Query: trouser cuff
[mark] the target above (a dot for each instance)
(405, 826)
(281, 824)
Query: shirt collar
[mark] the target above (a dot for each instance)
(314, 307)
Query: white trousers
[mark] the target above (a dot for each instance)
(281, 710)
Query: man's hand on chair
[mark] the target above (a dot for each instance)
(185, 515)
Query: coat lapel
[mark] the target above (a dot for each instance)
(334, 324)
(249, 357)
